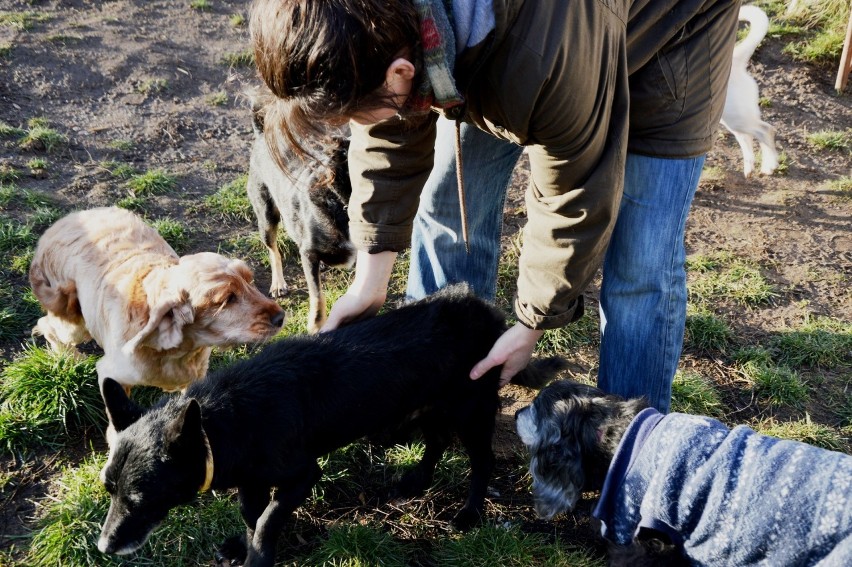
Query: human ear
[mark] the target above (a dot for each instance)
(399, 75)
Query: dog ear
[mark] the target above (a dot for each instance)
(185, 428)
(121, 410)
(166, 321)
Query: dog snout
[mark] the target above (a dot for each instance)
(277, 319)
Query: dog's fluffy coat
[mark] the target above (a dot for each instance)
(741, 114)
(684, 489)
(311, 199)
(105, 274)
(268, 419)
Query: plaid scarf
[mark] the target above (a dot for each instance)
(437, 87)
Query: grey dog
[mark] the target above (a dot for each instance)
(686, 489)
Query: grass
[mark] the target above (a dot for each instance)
(152, 86)
(201, 5)
(219, 98)
(725, 277)
(231, 201)
(40, 137)
(695, 394)
(820, 26)
(355, 545)
(152, 182)
(820, 342)
(832, 140)
(23, 21)
(49, 395)
(775, 384)
(174, 233)
(706, 332)
(804, 430)
(842, 187)
(509, 547)
(239, 59)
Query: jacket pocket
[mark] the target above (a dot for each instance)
(658, 90)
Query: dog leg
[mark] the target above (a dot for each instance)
(268, 221)
(476, 438)
(316, 298)
(253, 501)
(746, 143)
(768, 154)
(62, 335)
(289, 495)
(437, 438)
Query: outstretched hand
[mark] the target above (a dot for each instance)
(367, 293)
(513, 350)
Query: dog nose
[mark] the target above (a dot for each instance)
(277, 320)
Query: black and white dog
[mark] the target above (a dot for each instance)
(685, 489)
(260, 424)
(311, 199)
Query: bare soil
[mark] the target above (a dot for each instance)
(147, 72)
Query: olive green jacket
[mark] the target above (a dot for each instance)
(564, 78)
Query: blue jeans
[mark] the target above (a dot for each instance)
(438, 254)
(643, 296)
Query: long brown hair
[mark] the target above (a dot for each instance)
(325, 60)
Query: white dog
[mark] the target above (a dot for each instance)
(105, 274)
(742, 110)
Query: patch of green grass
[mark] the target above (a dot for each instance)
(774, 384)
(231, 201)
(707, 332)
(22, 20)
(56, 392)
(725, 277)
(152, 86)
(842, 187)
(834, 140)
(8, 130)
(201, 5)
(218, 99)
(119, 170)
(152, 182)
(15, 237)
(18, 311)
(820, 342)
(713, 174)
(822, 27)
(132, 203)
(695, 394)
(493, 545)
(40, 137)
(239, 59)
(8, 173)
(67, 533)
(452, 470)
(237, 20)
(174, 233)
(803, 430)
(37, 164)
(64, 39)
(355, 545)
(121, 145)
(5, 51)
(582, 332)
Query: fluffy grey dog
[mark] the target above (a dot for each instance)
(685, 489)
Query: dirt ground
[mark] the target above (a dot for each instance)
(157, 74)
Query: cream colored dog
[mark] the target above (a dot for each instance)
(742, 105)
(105, 274)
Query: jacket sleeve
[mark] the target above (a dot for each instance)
(389, 163)
(577, 154)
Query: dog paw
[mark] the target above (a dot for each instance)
(466, 519)
(411, 485)
(231, 552)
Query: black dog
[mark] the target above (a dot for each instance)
(684, 489)
(261, 424)
(311, 198)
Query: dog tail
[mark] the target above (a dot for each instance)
(758, 26)
(539, 372)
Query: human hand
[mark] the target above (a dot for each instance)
(367, 293)
(513, 350)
